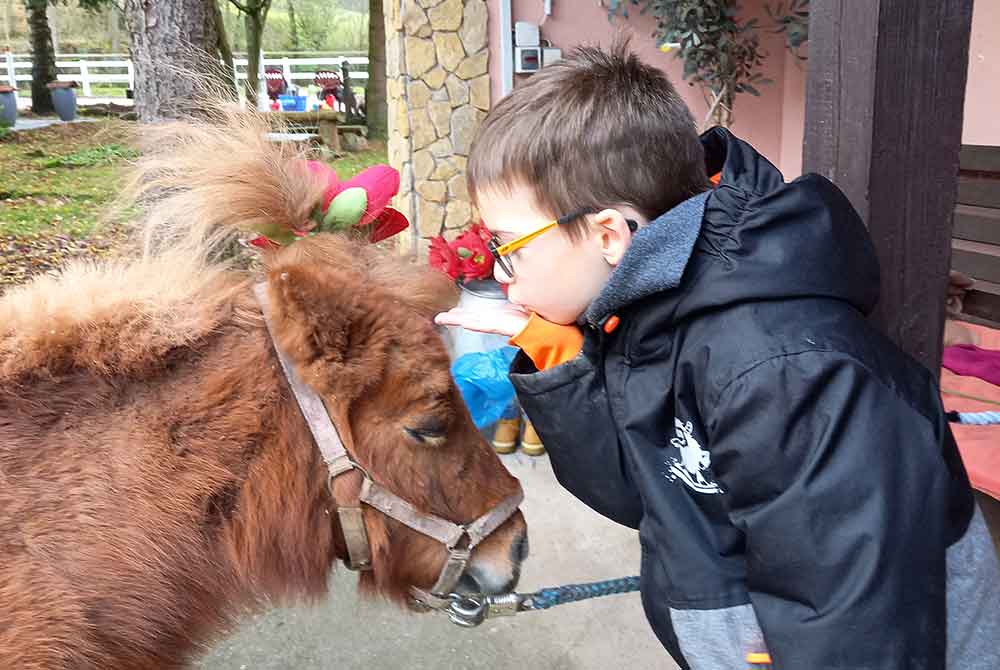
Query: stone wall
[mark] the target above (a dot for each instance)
(438, 93)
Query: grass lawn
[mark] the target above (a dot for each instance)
(351, 164)
(59, 179)
(56, 185)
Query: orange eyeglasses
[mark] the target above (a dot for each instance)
(501, 251)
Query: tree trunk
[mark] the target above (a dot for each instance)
(376, 107)
(43, 57)
(113, 28)
(53, 15)
(6, 21)
(255, 33)
(173, 46)
(228, 76)
(294, 25)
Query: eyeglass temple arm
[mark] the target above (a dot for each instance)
(633, 225)
(505, 249)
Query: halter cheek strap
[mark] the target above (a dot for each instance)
(331, 447)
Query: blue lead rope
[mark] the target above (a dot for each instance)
(560, 595)
(470, 610)
(975, 418)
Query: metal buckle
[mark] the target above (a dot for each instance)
(453, 547)
(467, 611)
(470, 610)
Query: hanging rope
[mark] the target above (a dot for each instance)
(975, 418)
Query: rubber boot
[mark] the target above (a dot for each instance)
(505, 435)
(531, 444)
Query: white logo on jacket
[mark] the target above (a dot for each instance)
(691, 461)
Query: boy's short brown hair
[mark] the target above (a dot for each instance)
(597, 129)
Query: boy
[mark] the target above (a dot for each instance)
(698, 364)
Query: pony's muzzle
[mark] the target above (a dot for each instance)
(496, 572)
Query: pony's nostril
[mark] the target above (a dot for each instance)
(519, 550)
(468, 584)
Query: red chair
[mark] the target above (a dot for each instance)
(330, 84)
(276, 84)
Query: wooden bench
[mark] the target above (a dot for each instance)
(353, 130)
(975, 246)
(326, 123)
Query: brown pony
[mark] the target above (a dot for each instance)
(157, 478)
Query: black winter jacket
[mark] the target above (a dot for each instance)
(791, 472)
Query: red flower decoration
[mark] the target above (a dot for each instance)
(482, 231)
(444, 258)
(467, 257)
(476, 260)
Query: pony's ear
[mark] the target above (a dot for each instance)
(335, 330)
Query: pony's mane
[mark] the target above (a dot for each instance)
(200, 184)
(110, 317)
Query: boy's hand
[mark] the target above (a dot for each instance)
(508, 320)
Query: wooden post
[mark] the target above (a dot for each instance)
(884, 103)
(329, 134)
(85, 78)
(286, 70)
(11, 72)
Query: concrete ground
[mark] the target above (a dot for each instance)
(24, 101)
(569, 543)
(35, 124)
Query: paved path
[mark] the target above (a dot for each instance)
(24, 101)
(34, 124)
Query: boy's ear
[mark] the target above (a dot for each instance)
(613, 235)
(331, 327)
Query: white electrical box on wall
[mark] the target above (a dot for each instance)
(526, 34)
(527, 59)
(550, 56)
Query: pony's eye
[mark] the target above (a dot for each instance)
(431, 431)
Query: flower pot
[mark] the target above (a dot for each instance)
(64, 99)
(477, 295)
(8, 106)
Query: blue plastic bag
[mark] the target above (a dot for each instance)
(481, 377)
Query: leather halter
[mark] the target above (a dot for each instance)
(339, 463)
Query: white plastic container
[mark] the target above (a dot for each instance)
(482, 296)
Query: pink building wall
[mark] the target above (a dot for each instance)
(774, 122)
(982, 92)
(573, 22)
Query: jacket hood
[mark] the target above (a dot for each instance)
(752, 238)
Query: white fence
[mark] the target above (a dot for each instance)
(89, 69)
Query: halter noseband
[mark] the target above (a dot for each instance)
(339, 462)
